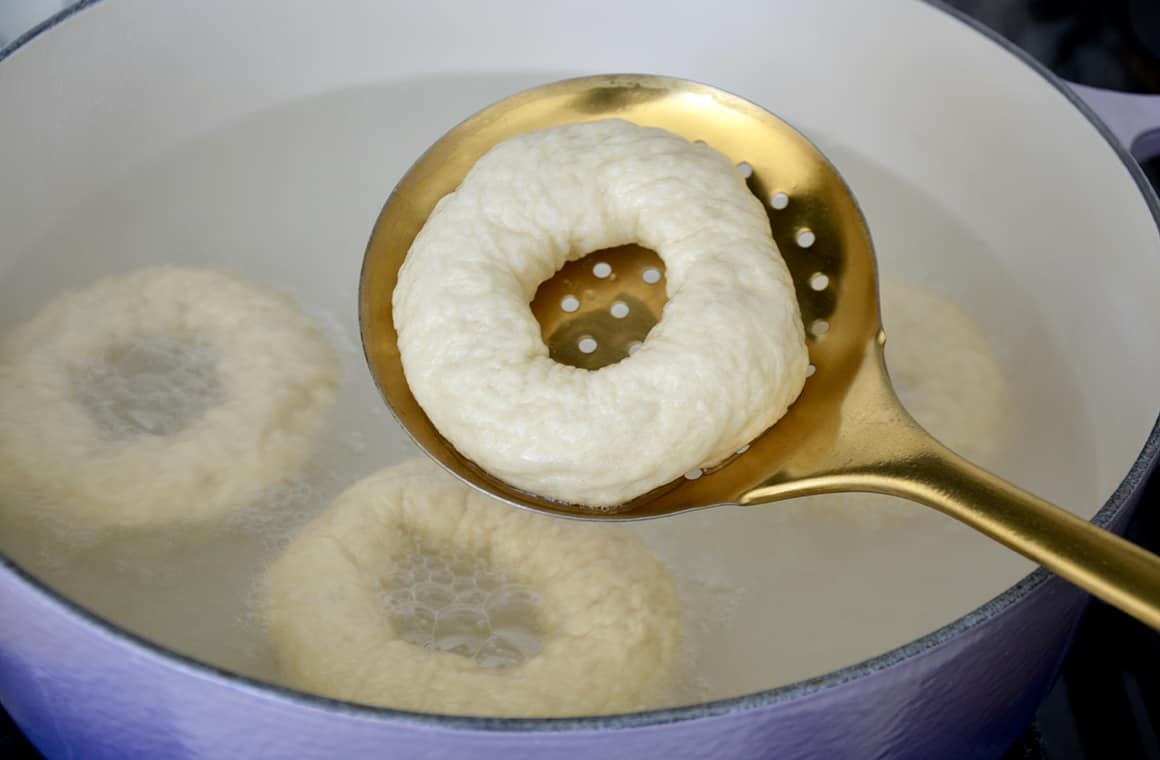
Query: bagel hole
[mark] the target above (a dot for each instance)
(151, 386)
(597, 309)
(447, 599)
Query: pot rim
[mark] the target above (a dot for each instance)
(1136, 476)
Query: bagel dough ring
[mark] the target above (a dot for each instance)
(949, 378)
(609, 614)
(274, 376)
(722, 365)
(945, 371)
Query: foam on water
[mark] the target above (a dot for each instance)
(451, 601)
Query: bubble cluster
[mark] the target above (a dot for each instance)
(155, 385)
(453, 601)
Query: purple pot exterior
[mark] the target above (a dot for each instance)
(80, 687)
(1133, 119)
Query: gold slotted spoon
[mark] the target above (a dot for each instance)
(846, 432)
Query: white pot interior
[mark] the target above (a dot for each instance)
(265, 136)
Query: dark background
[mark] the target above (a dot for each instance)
(1106, 704)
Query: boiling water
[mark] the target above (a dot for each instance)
(772, 594)
(155, 386)
(451, 601)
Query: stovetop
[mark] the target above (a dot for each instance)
(1106, 703)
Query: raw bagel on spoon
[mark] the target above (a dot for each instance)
(723, 364)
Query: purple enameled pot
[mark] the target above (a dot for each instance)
(112, 82)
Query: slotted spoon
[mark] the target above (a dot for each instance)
(846, 432)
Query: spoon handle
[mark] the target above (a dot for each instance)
(1098, 561)
(876, 446)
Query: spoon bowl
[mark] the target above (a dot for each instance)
(847, 431)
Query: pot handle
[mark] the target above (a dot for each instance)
(1133, 119)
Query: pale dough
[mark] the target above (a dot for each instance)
(273, 378)
(945, 371)
(949, 377)
(609, 612)
(723, 364)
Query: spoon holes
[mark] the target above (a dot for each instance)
(745, 169)
(569, 303)
(778, 201)
(587, 344)
(805, 237)
(819, 327)
(819, 281)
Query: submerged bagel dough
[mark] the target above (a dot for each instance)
(723, 364)
(951, 380)
(609, 615)
(945, 371)
(276, 376)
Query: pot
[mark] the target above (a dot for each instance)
(1057, 208)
